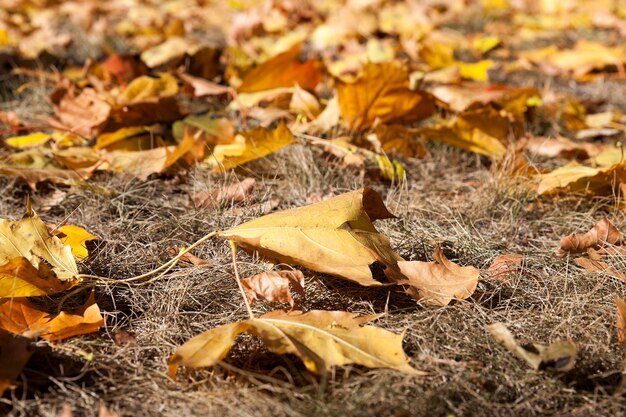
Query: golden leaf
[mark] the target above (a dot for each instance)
(250, 145)
(483, 131)
(29, 238)
(574, 177)
(75, 237)
(19, 278)
(335, 236)
(322, 339)
(382, 94)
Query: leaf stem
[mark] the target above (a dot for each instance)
(166, 267)
(233, 250)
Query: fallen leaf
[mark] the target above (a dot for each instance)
(202, 87)
(16, 351)
(233, 193)
(601, 235)
(579, 178)
(75, 237)
(322, 339)
(382, 95)
(84, 112)
(274, 286)
(283, 70)
(483, 131)
(504, 265)
(250, 145)
(335, 236)
(400, 139)
(593, 265)
(10, 118)
(20, 316)
(29, 238)
(439, 282)
(188, 257)
(19, 278)
(558, 356)
(620, 304)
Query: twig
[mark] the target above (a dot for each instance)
(233, 250)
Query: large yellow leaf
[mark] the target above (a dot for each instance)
(441, 281)
(322, 339)
(29, 238)
(20, 317)
(335, 236)
(382, 93)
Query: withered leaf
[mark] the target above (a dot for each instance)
(274, 286)
(558, 356)
(620, 304)
(439, 282)
(593, 265)
(601, 235)
(16, 351)
(322, 339)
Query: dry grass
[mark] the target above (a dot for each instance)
(469, 374)
(475, 211)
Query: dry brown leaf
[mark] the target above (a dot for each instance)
(84, 112)
(398, 138)
(382, 95)
(233, 193)
(202, 87)
(274, 286)
(20, 317)
(188, 257)
(335, 236)
(601, 235)
(283, 70)
(322, 339)
(592, 265)
(562, 147)
(10, 118)
(558, 356)
(16, 351)
(504, 265)
(439, 282)
(620, 304)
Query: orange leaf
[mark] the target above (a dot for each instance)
(382, 94)
(283, 70)
(18, 316)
